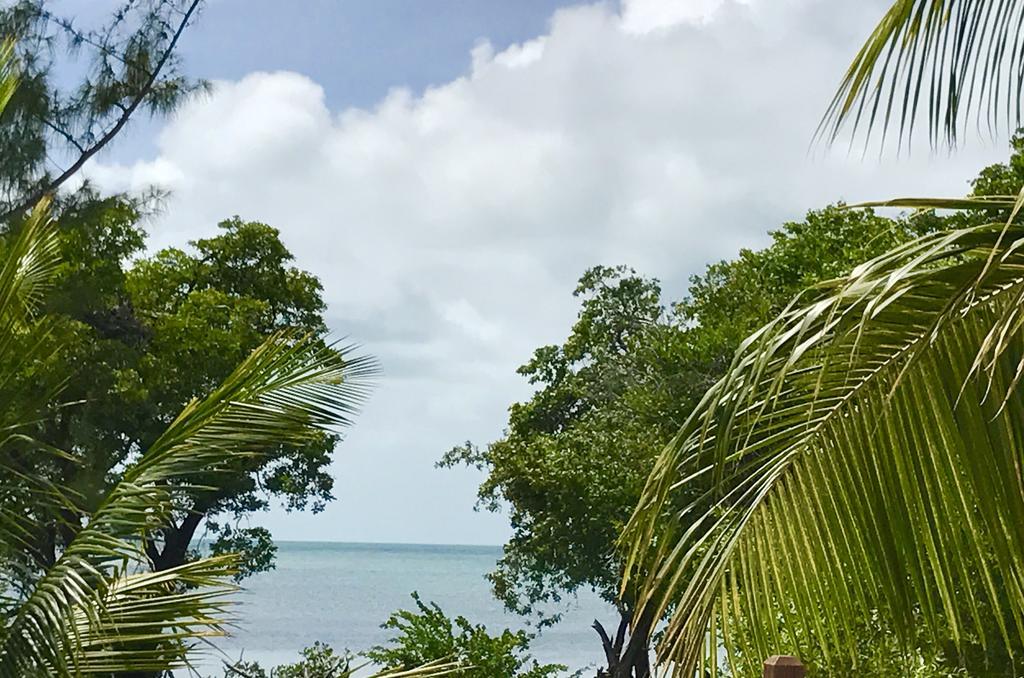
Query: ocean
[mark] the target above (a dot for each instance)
(340, 594)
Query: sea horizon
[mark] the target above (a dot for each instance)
(278, 542)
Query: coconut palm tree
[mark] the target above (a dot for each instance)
(861, 464)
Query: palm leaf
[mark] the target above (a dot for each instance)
(861, 459)
(133, 620)
(29, 262)
(287, 390)
(956, 58)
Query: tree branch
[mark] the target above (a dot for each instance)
(606, 642)
(620, 636)
(64, 133)
(147, 88)
(68, 27)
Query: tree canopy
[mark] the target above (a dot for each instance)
(147, 335)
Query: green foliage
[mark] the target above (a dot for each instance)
(80, 85)
(95, 609)
(135, 336)
(254, 547)
(77, 596)
(576, 455)
(321, 661)
(568, 490)
(427, 635)
(143, 337)
(318, 661)
(861, 453)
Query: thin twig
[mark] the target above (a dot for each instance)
(64, 133)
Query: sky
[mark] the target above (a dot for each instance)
(449, 168)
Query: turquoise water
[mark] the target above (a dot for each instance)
(340, 594)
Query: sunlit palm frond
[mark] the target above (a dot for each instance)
(29, 265)
(954, 58)
(285, 392)
(133, 619)
(8, 73)
(862, 458)
(28, 262)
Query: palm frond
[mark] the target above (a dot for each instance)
(29, 262)
(861, 459)
(284, 392)
(8, 72)
(955, 58)
(132, 623)
(29, 265)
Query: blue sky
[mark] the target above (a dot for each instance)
(357, 49)
(449, 169)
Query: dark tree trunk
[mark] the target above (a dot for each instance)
(626, 659)
(176, 539)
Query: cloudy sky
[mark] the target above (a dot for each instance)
(449, 168)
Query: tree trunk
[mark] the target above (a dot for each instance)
(626, 659)
(176, 539)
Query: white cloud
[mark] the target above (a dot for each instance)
(449, 226)
(643, 16)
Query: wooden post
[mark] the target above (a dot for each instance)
(784, 666)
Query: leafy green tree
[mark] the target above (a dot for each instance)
(427, 635)
(148, 337)
(80, 86)
(96, 609)
(575, 457)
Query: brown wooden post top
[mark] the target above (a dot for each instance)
(784, 666)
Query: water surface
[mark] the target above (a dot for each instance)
(340, 594)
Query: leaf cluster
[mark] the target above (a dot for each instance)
(427, 635)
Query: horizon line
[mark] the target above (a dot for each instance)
(378, 543)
